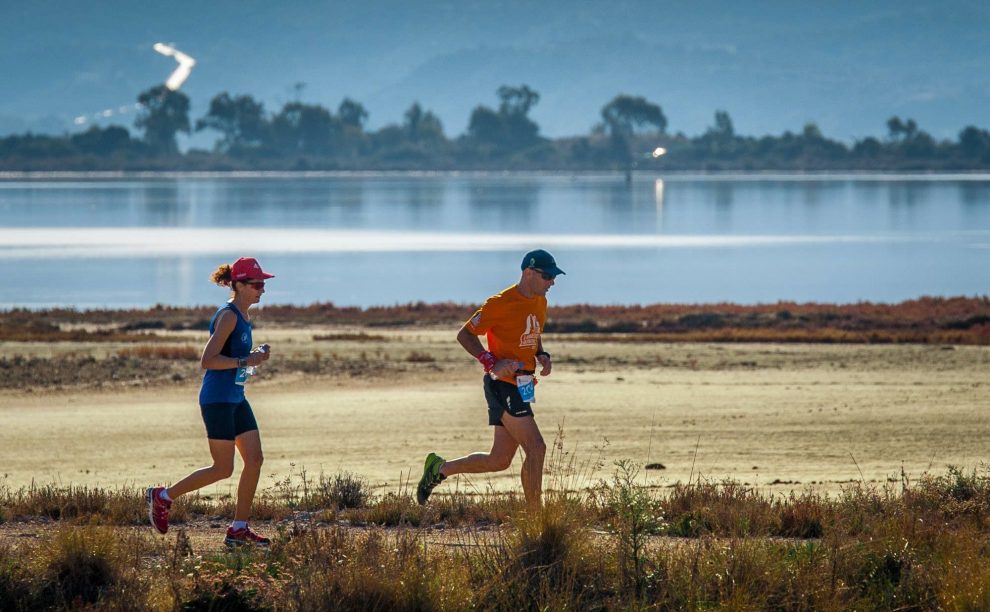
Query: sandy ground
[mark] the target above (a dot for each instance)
(794, 415)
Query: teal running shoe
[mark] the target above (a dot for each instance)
(431, 477)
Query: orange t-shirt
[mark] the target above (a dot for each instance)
(512, 324)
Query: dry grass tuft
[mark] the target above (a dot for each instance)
(618, 546)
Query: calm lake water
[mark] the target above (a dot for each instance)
(385, 239)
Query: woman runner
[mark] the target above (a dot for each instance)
(229, 362)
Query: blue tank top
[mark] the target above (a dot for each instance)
(218, 385)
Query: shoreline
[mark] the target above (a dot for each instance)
(728, 175)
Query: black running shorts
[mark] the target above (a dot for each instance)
(504, 397)
(227, 421)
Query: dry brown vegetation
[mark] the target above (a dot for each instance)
(163, 350)
(908, 543)
(958, 320)
(925, 320)
(613, 545)
(180, 353)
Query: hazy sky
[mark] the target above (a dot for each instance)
(772, 65)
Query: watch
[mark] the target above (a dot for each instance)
(538, 353)
(242, 362)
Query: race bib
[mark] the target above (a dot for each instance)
(527, 387)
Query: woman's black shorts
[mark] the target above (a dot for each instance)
(227, 421)
(504, 397)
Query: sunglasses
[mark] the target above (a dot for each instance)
(546, 277)
(258, 285)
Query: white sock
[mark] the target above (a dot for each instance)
(164, 495)
(238, 524)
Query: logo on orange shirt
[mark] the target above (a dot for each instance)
(530, 337)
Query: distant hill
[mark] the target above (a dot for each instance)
(773, 65)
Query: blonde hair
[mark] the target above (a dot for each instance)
(221, 276)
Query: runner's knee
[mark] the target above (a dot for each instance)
(536, 449)
(500, 462)
(223, 470)
(254, 459)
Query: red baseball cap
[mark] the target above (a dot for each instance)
(248, 268)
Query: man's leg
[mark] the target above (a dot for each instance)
(499, 458)
(527, 435)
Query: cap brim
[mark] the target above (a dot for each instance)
(554, 270)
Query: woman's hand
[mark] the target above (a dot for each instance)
(259, 355)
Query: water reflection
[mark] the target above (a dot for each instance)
(618, 196)
(159, 204)
(974, 194)
(723, 194)
(615, 206)
(658, 203)
(907, 194)
(423, 199)
(507, 205)
(766, 238)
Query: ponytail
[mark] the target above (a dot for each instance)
(221, 276)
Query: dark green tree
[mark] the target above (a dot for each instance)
(720, 139)
(485, 126)
(900, 131)
(723, 128)
(422, 126)
(974, 143)
(630, 115)
(102, 141)
(868, 147)
(811, 131)
(509, 129)
(164, 113)
(304, 128)
(910, 141)
(349, 138)
(241, 120)
(516, 100)
(623, 119)
(352, 113)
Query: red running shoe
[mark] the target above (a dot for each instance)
(158, 509)
(240, 537)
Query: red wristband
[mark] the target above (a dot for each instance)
(487, 360)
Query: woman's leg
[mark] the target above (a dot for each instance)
(222, 452)
(249, 445)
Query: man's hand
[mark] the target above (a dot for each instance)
(487, 360)
(506, 367)
(545, 363)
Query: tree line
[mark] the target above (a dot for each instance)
(309, 136)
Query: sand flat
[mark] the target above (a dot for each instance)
(797, 415)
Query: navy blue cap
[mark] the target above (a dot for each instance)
(541, 260)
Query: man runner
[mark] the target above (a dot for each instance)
(513, 322)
